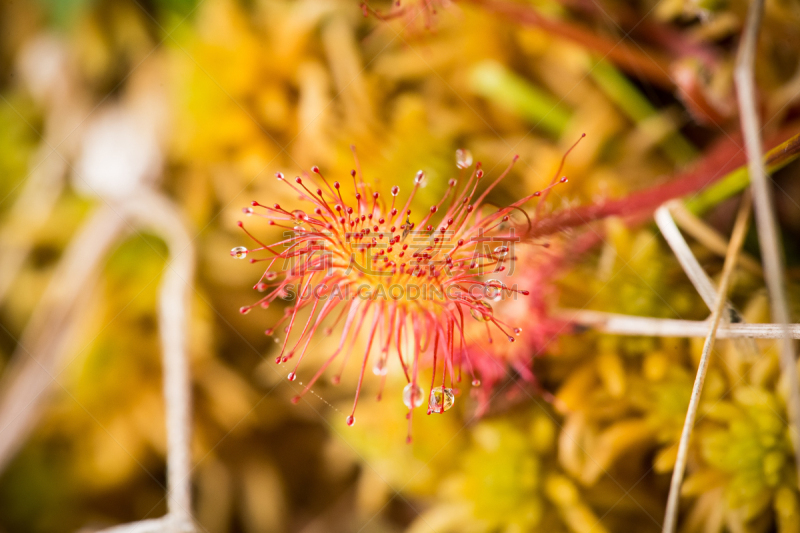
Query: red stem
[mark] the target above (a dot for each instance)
(723, 157)
(664, 36)
(650, 65)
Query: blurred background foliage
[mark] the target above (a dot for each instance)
(245, 88)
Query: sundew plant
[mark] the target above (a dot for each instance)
(415, 280)
(419, 266)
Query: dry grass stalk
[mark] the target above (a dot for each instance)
(709, 237)
(739, 232)
(766, 222)
(619, 324)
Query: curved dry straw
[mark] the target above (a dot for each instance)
(35, 366)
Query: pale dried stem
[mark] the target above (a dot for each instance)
(617, 324)
(157, 525)
(66, 109)
(39, 356)
(165, 524)
(702, 283)
(29, 213)
(709, 237)
(737, 238)
(39, 353)
(155, 212)
(766, 222)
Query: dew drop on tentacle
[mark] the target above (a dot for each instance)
(485, 313)
(244, 309)
(350, 420)
(292, 376)
(239, 252)
(517, 331)
(494, 289)
(380, 368)
(463, 158)
(247, 211)
(419, 177)
(269, 276)
(413, 395)
(441, 399)
(476, 382)
(501, 251)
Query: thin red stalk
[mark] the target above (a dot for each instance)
(651, 65)
(725, 156)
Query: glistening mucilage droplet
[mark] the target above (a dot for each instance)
(239, 252)
(380, 367)
(463, 158)
(484, 311)
(413, 395)
(494, 289)
(441, 399)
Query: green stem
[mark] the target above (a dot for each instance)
(736, 181)
(625, 95)
(506, 89)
